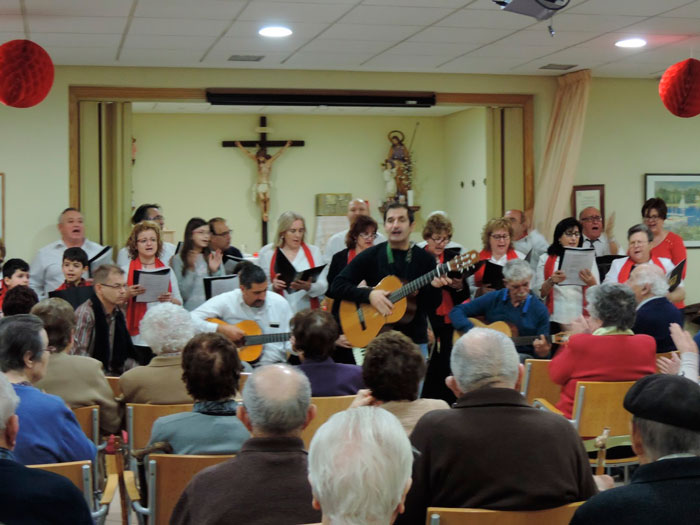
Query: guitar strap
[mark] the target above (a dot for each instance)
(390, 253)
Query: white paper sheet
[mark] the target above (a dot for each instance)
(575, 260)
(156, 283)
(221, 285)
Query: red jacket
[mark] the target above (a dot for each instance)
(587, 357)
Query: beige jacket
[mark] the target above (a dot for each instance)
(158, 383)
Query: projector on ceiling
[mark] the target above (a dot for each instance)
(539, 9)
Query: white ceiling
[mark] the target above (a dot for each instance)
(438, 36)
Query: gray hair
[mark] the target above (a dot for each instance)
(166, 328)
(517, 270)
(613, 303)
(20, 335)
(653, 276)
(637, 228)
(277, 398)
(661, 440)
(360, 461)
(482, 357)
(8, 401)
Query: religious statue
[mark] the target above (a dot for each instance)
(261, 190)
(390, 179)
(400, 159)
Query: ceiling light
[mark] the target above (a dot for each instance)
(631, 42)
(275, 31)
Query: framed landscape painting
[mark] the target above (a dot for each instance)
(682, 196)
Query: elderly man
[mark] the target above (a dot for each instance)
(530, 242)
(493, 450)
(336, 242)
(249, 303)
(654, 311)
(594, 237)
(360, 467)
(639, 238)
(515, 305)
(266, 483)
(221, 240)
(46, 274)
(166, 328)
(147, 212)
(30, 495)
(666, 437)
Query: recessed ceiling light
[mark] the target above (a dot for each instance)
(275, 31)
(631, 42)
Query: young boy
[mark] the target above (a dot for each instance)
(15, 272)
(75, 263)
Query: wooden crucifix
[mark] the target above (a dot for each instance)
(264, 163)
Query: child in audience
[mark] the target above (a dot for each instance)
(75, 264)
(15, 273)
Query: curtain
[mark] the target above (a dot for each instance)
(562, 150)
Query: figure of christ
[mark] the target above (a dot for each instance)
(262, 186)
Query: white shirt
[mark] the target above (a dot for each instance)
(568, 300)
(272, 318)
(336, 243)
(613, 274)
(601, 246)
(534, 244)
(449, 246)
(123, 258)
(298, 300)
(45, 273)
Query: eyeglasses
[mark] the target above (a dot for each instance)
(503, 237)
(146, 241)
(368, 236)
(300, 230)
(650, 218)
(156, 218)
(202, 232)
(638, 243)
(114, 286)
(593, 218)
(440, 240)
(572, 233)
(223, 233)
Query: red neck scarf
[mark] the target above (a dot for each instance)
(447, 303)
(485, 255)
(313, 301)
(136, 311)
(626, 269)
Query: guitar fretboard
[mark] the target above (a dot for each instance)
(416, 284)
(252, 340)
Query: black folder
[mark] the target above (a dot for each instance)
(76, 295)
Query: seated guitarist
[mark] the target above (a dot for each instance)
(249, 303)
(396, 257)
(516, 305)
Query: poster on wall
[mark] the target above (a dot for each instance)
(681, 193)
(591, 195)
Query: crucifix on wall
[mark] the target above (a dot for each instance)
(264, 163)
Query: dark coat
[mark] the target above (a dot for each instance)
(329, 378)
(653, 319)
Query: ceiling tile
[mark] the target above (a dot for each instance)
(78, 7)
(665, 26)
(687, 11)
(608, 41)
(249, 29)
(437, 34)
(625, 7)
(392, 16)
(177, 26)
(85, 56)
(77, 24)
(76, 40)
(469, 64)
(219, 57)
(229, 46)
(11, 23)
(200, 43)
(428, 49)
(487, 19)
(159, 57)
(542, 38)
(317, 60)
(501, 50)
(346, 46)
(390, 33)
(212, 9)
(600, 23)
(268, 12)
(417, 3)
(393, 62)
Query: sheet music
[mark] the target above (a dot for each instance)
(573, 261)
(155, 281)
(103, 257)
(214, 286)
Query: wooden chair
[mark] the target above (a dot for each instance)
(556, 516)
(168, 475)
(140, 419)
(89, 419)
(325, 408)
(536, 382)
(114, 384)
(80, 474)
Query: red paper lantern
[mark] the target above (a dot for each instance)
(680, 88)
(26, 73)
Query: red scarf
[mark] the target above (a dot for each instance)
(548, 271)
(66, 285)
(313, 301)
(351, 254)
(626, 269)
(485, 255)
(447, 303)
(136, 311)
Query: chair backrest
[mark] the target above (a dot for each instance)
(140, 419)
(325, 408)
(536, 382)
(169, 474)
(556, 516)
(114, 384)
(78, 472)
(598, 404)
(89, 417)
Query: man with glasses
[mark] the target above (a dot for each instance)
(221, 240)
(595, 235)
(100, 329)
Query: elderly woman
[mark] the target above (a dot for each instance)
(49, 431)
(392, 370)
(211, 371)
(166, 328)
(78, 380)
(313, 338)
(604, 348)
(289, 239)
(497, 239)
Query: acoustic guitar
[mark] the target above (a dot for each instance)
(251, 347)
(362, 322)
(512, 332)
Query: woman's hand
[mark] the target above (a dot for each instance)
(364, 398)
(670, 366)
(541, 346)
(558, 277)
(581, 325)
(278, 285)
(587, 277)
(343, 342)
(682, 339)
(165, 297)
(214, 261)
(300, 285)
(134, 290)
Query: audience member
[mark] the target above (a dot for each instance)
(314, 333)
(221, 240)
(147, 212)
(266, 483)
(211, 371)
(78, 380)
(666, 437)
(29, 495)
(19, 300)
(50, 433)
(337, 241)
(15, 272)
(360, 467)
(166, 328)
(686, 364)
(493, 450)
(74, 265)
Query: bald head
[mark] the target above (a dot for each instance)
(357, 207)
(517, 220)
(276, 400)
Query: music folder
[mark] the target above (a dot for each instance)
(493, 275)
(214, 286)
(675, 276)
(76, 295)
(286, 271)
(104, 256)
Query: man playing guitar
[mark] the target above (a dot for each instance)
(396, 257)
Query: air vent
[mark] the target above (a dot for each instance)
(246, 58)
(559, 67)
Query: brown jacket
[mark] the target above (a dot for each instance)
(158, 383)
(80, 381)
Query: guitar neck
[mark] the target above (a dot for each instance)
(416, 284)
(252, 340)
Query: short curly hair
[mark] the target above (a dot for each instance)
(393, 367)
(437, 224)
(499, 223)
(359, 225)
(58, 317)
(315, 332)
(132, 245)
(211, 368)
(19, 300)
(613, 304)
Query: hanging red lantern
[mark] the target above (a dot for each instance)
(26, 73)
(680, 88)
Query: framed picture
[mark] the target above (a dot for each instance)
(681, 193)
(585, 196)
